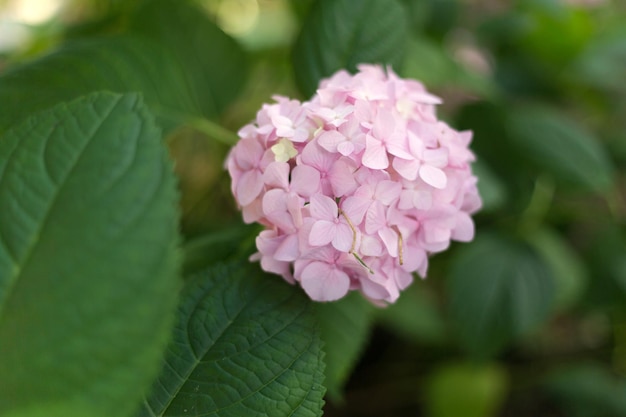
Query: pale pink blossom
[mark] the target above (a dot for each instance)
(355, 187)
(329, 226)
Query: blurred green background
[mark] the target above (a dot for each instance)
(528, 320)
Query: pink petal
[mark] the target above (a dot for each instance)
(341, 177)
(288, 251)
(433, 176)
(294, 207)
(390, 239)
(384, 124)
(275, 210)
(284, 126)
(342, 241)
(436, 157)
(322, 233)
(322, 282)
(274, 200)
(388, 191)
(323, 207)
(375, 155)
(416, 144)
(422, 200)
(376, 218)
(345, 148)
(373, 290)
(434, 233)
(406, 200)
(305, 180)
(407, 168)
(300, 135)
(248, 153)
(399, 148)
(465, 137)
(413, 257)
(355, 208)
(316, 156)
(370, 246)
(253, 212)
(464, 229)
(249, 187)
(269, 264)
(267, 241)
(403, 279)
(277, 175)
(330, 140)
(282, 221)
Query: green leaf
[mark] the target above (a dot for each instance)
(88, 260)
(499, 289)
(569, 272)
(545, 18)
(560, 147)
(468, 390)
(427, 62)
(214, 64)
(432, 64)
(603, 63)
(588, 390)
(486, 120)
(173, 65)
(344, 327)
(340, 34)
(419, 13)
(491, 189)
(246, 344)
(120, 64)
(227, 244)
(300, 8)
(606, 248)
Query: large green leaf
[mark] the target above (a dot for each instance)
(569, 271)
(344, 33)
(246, 344)
(345, 327)
(214, 64)
(174, 67)
(119, 64)
(499, 289)
(88, 260)
(603, 63)
(560, 147)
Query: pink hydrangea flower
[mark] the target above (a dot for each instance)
(355, 187)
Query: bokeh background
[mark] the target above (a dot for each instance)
(528, 320)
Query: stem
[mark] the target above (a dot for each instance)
(202, 125)
(213, 130)
(343, 213)
(400, 250)
(362, 262)
(357, 257)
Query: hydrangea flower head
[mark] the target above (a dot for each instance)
(355, 187)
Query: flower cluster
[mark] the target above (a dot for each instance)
(355, 187)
